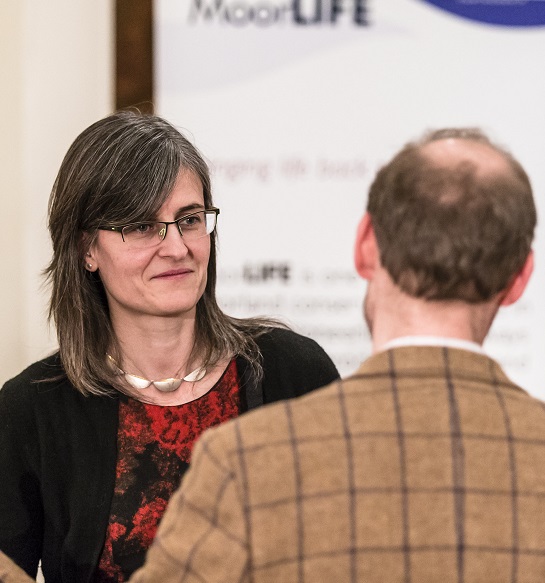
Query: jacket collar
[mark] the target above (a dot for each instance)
(434, 361)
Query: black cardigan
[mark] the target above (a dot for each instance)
(58, 454)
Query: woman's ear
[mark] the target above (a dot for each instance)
(87, 245)
(366, 251)
(519, 282)
(90, 265)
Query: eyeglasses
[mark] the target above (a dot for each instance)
(149, 234)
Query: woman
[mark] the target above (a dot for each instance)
(95, 438)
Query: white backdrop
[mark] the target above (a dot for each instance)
(295, 118)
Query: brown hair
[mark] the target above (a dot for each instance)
(451, 231)
(119, 170)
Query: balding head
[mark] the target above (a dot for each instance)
(451, 152)
(453, 215)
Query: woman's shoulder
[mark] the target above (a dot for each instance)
(19, 397)
(293, 364)
(48, 370)
(42, 390)
(42, 385)
(291, 344)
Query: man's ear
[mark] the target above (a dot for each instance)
(519, 282)
(366, 257)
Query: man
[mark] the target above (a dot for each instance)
(428, 463)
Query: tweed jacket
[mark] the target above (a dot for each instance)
(427, 465)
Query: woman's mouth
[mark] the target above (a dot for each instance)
(172, 273)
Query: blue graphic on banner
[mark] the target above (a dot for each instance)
(501, 12)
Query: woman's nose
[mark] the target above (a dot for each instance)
(173, 242)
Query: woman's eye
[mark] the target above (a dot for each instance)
(191, 220)
(139, 229)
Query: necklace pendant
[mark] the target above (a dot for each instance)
(195, 376)
(167, 385)
(136, 382)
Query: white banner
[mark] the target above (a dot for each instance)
(297, 103)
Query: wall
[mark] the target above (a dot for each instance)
(57, 63)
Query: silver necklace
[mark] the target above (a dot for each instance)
(163, 385)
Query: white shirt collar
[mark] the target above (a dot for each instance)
(432, 341)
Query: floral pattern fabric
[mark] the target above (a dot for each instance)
(154, 450)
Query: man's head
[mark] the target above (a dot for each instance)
(453, 216)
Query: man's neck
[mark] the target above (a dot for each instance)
(394, 314)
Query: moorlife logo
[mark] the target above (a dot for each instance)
(265, 13)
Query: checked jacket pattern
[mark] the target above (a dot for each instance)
(425, 465)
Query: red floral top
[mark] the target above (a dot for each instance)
(154, 448)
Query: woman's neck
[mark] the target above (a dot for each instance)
(156, 347)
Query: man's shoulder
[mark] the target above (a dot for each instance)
(274, 425)
(470, 382)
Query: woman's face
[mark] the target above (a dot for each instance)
(164, 280)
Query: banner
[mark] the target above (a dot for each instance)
(296, 104)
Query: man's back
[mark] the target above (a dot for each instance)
(427, 465)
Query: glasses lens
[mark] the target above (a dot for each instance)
(144, 234)
(193, 226)
(197, 225)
